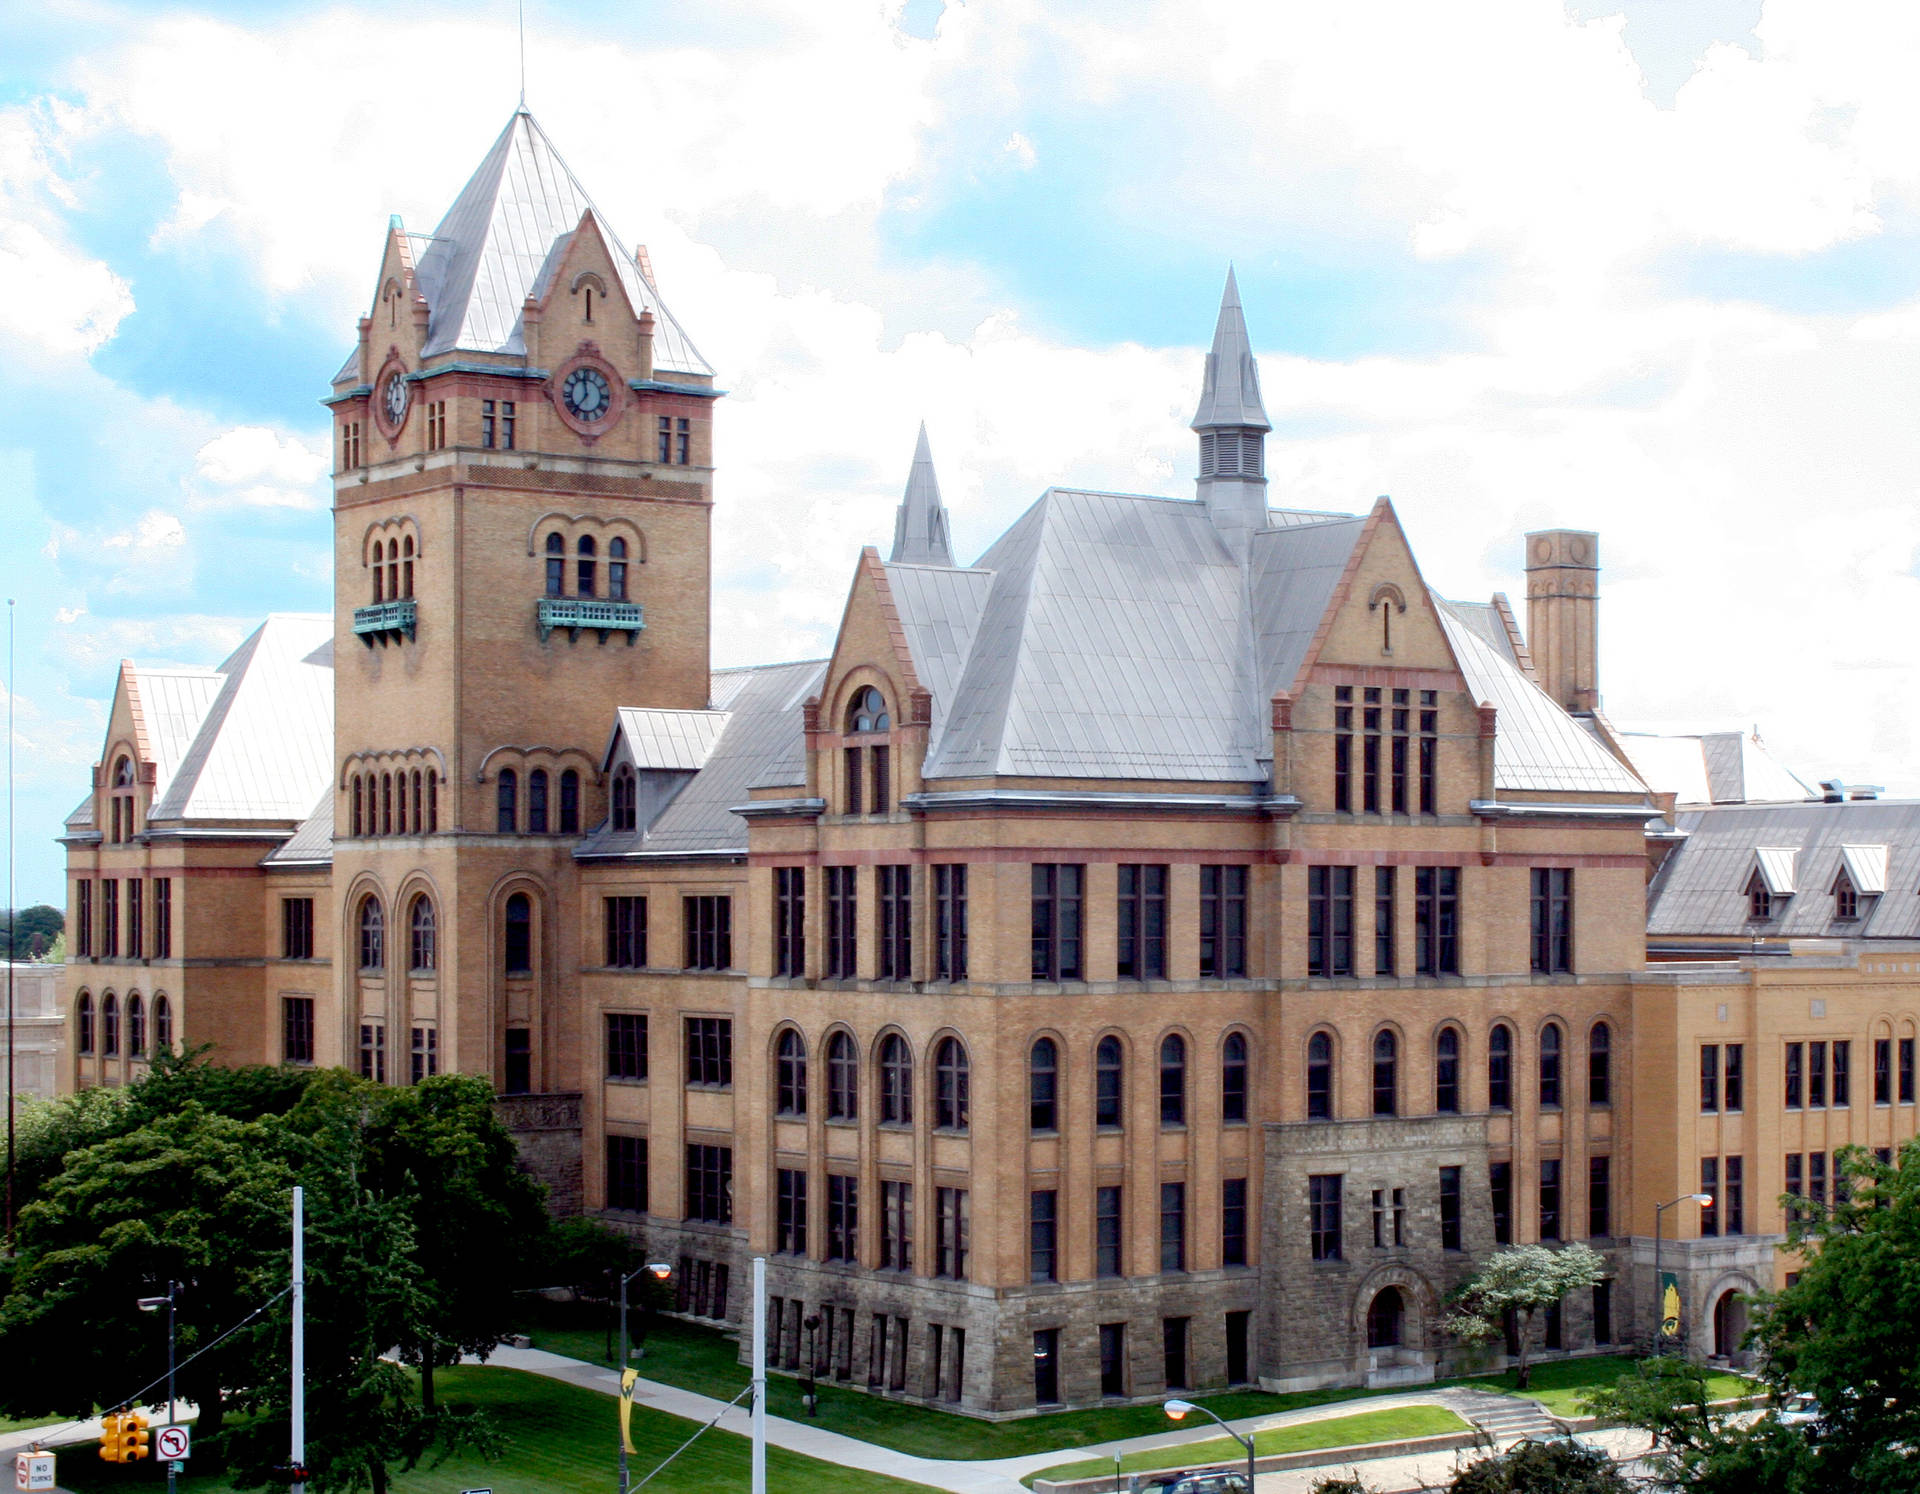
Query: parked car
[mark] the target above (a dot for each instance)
(1222, 1481)
(1801, 1411)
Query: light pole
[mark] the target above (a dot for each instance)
(659, 1271)
(1705, 1200)
(152, 1304)
(809, 1387)
(1178, 1409)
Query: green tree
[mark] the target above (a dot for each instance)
(1697, 1446)
(1542, 1468)
(1519, 1280)
(27, 933)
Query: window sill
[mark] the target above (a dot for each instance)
(960, 1131)
(629, 1081)
(713, 1089)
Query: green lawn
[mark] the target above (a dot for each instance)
(1390, 1425)
(562, 1441)
(1559, 1384)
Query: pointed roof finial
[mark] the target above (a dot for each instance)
(1231, 395)
(920, 523)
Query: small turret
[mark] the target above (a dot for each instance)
(1232, 424)
(920, 523)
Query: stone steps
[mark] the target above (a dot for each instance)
(1506, 1418)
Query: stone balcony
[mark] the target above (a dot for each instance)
(385, 622)
(575, 613)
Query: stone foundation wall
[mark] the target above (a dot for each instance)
(546, 1129)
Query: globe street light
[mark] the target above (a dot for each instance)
(1178, 1409)
(1705, 1200)
(659, 1271)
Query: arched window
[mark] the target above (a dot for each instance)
(537, 802)
(373, 935)
(400, 803)
(1107, 1077)
(1043, 1086)
(123, 828)
(507, 798)
(421, 954)
(1446, 1071)
(1550, 1064)
(1600, 1065)
(950, 1081)
(433, 802)
(136, 1027)
(843, 1078)
(868, 711)
(623, 799)
(1320, 1077)
(162, 1025)
(790, 1074)
(1173, 1080)
(1233, 1078)
(519, 941)
(1500, 1068)
(570, 802)
(556, 566)
(386, 803)
(419, 821)
(358, 822)
(379, 575)
(1386, 1073)
(584, 553)
(616, 570)
(406, 567)
(393, 571)
(1386, 1319)
(84, 1011)
(896, 1082)
(109, 1025)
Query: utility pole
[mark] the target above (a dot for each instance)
(298, 1449)
(13, 925)
(152, 1304)
(758, 1482)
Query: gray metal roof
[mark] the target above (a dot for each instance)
(312, 843)
(264, 747)
(1294, 569)
(920, 534)
(667, 739)
(1231, 394)
(1722, 767)
(1701, 889)
(173, 703)
(500, 241)
(1487, 625)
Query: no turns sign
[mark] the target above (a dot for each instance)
(170, 1443)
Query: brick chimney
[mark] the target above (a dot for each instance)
(1563, 604)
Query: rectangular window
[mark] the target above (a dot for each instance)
(424, 1059)
(1223, 922)
(1552, 920)
(1329, 921)
(1429, 751)
(709, 1183)
(1233, 1221)
(110, 918)
(710, 1051)
(709, 932)
(1056, 920)
(1323, 1215)
(1842, 1073)
(1383, 941)
(1043, 1235)
(1113, 1359)
(843, 959)
(1370, 751)
(896, 1226)
(894, 885)
(1500, 1185)
(296, 928)
(1173, 1342)
(627, 1173)
(627, 1045)
(626, 932)
(952, 1233)
(1733, 1185)
(1600, 1196)
(1106, 1232)
(1710, 1186)
(1343, 749)
(136, 923)
(1795, 1061)
(1173, 1226)
(296, 1027)
(1379, 1218)
(856, 781)
(790, 1211)
(682, 442)
(1400, 721)
(664, 450)
(1816, 1076)
(790, 921)
(1603, 1312)
(1549, 1198)
(506, 425)
(882, 760)
(1436, 920)
(1046, 1366)
(1882, 1057)
(83, 916)
(1239, 1334)
(843, 1217)
(516, 1061)
(1817, 1177)
(486, 424)
(1709, 1078)
(373, 1052)
(163, 918)
(1555, 1327)
(1906, 1071)
(1142, 923)
(1450, 1238)
(1796, 1183)
(949, 922)
(1733, 1079)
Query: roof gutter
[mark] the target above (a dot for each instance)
(1278, 806)
(734, 853)
(1495, 809)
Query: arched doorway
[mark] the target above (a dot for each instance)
(1729, 1325)
(1386, 1319)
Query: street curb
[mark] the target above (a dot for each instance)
(1312, 1457)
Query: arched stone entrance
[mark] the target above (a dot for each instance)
(1386, 1319)
(1729, 1326)
(1393, 1312)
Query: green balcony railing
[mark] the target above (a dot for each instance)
(575, 613)
(384, 622)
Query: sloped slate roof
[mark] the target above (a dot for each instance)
(1484, 619)
(498, 242)
(312, 843)
(173, 703)
(264, 748)
(1721, 767)
(669, 739)
(1701, 890)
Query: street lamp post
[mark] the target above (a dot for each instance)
(659, 1271)
(809, 1387)
(1178, 1409)
(1705, 1200)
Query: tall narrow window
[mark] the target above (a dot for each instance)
(424, 1060)
(682, 441)
(843, 1228)
(616, 570)
(1552, 920)
(1056, 921)
(1500, 1068)
(1370, 750)
(1043, 1235)
(709, 1051)
(386, 804)
(626, 1173)
(951, 1081)
(83, 916)
(373, 952)
(626, 919)
(517, 948)
(896, 1082)
(790, 1074)
(624, 809)
(626, 1045)
(556, 566)
(1320, 1077)
(894, 885)
(949, 922)
(1816, 1069)
(1173, 1080)
(1882, 1048)
(1329, 921)
(1173, 1226)
(952, 1233)
(1107, 1234)
(163, 918)
(707, 926)
(1343, 749)
(663, 451)
(421, 951)
(373, 1051)
(1233, 1221)
(1223, 922)
(136, 919)
(1436, 920)
(296, 1029)
(1795, 1060)
(1600, 1196)
(881, 759)
(537, 802)
(110, 918)
(843, 957)
(1401, 723)
(506, 425)
(790, 921)
(1733, 1189)
(1386, 1073)
(359, 821)
(109, 1025)
(1600, 1064)
(1043, 1087)
(896, 1226)
(406, 567)
(1233, 1079)
(83, 1016)
(843, 1078)
(1383, 921)
(1446, 1071)
(1709, 1078)
(507, 802)
(1500, 1189)
(1107, 1082)
(487, 424)
(379, 596)
(1842, 1072)
(1142, 923)
(585, 565)
(856, 780)
(1429, 751)
(570, 802)
(1550, 1065)
(1710, 1186)
(790, 1212)
(1734, 1090)
(162, 1025)
(1323, 1216)
(1450, 1238)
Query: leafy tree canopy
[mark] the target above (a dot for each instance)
(1519, 1280)
(1542, 1468)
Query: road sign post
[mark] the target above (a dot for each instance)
(33, 1471)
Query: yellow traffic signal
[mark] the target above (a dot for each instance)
(134, 1438)
(110, 1437)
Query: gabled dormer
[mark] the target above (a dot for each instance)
(867, 729)
(1862, 874)
(1770, 882)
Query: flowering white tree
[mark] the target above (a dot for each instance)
(1521, 1279)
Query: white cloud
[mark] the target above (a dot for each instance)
(57, 299)
(254, 467)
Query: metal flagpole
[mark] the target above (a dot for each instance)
(758, 1483)
(298, 1449)
(13, 924)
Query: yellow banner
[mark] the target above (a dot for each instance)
(627, 1377)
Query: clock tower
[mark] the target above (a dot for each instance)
(522, 501)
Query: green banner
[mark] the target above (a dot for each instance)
(1669, 1304)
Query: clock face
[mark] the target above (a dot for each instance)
(396, 398)
(587, 394)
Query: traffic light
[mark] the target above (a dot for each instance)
(134, 1438)
(110, 1437)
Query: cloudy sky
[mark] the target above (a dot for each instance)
(1650, 267)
